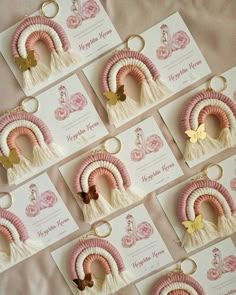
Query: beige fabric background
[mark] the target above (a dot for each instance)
(212, 24)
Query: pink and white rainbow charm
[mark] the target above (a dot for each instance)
(193, 123)
(127, 62)
(94, 205)
(16, 234)
(11, 157)
(177, 283)
(200, 231)
(82, 257)
(26, 35)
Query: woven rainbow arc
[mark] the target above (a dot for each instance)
(16, 234)
(193, 121)
(102, 251)
(177, 283)
(94, 205)
(26, 35)
(44, 149)
(199, 231)
(127, 62)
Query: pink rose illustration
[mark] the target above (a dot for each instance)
(128, 241)
(61, 114)
(78, 101)
(163, 52)
(229, 263)
(233, 184)
(137, 155)
(213, 274)
(180, 39)
(32, 210)
(48, 199)
(73, 21)
(144, 230)
(154, 143)
(90, 9)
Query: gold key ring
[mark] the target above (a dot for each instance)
(135, 36)
(106, 145)
(206, 171)
(194, 269)
(45, 4)
(11, 200)
(27, 99)
(218, 77)
(100, 223)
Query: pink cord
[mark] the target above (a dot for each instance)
(95, 257)
(91, 243)
(213, 202)
(7, 234)
(218, 112)
(177, 277)
(38, 20)
(191, 187)
(99, 172)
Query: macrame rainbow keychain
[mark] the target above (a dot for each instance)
(128, 62)
(179, 283)
(193, 122)
(27, 34)
(198, 230)
(94, 205)
(15, 123)
(95, 249)
(17, 236)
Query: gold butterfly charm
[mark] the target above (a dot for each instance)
(26, 63)
(200, 133)
(195, 225)
(114, 97)
(13, 158)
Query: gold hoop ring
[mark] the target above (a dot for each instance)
(11, 200)
(135, 36)
(106, 148)
(222, 78)
(27, 99)
(99, 223)
(46, 3)
(212, 165)
(194, 266)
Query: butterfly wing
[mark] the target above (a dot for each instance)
(32, 62)
(120, 93)
(22, 63)
(201, 131)
(13, 157)
(189, 226)
(5, 162)
(192, 135)
(112, 97)
(198, 222)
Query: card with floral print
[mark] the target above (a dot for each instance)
(173, 51)
(88, 28)
(216, 270)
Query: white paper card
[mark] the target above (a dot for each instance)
(216, 270)
(71, 117)
(88, 27)
(139, 243)
(172, 119)
(40, 207)
(169, 198)
(146, 154)
(183, 66)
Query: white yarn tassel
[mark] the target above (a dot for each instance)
(16, 252)
(4, 260)
(122, 110)
(56, 64)
(226, 225)
(14, 173)
(108, 284)
(126, 277)
(40, 156)
(202, 236)
(55, 150)
(119, 199)
(226, 138)
(146, 96)
(68, 57)
(200, 148)
(28, 81)
(96, 209)
(134, 194)
(30, 247)
(40, 73)
(25, 164)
